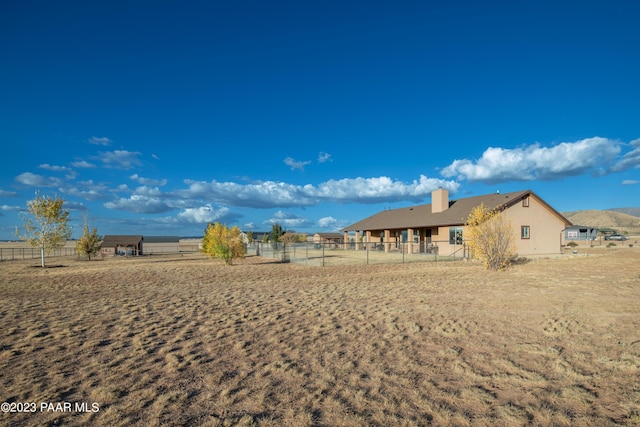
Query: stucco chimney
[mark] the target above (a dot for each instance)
(439, 200)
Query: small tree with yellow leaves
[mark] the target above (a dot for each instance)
(47, 225)
(89, 242)
(220, 241)
(490, 237)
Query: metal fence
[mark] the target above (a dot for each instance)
(326, 254)
(9, 254)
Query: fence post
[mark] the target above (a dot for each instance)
(368, 244)
(323, 254)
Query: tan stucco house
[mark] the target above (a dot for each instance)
(536, 225)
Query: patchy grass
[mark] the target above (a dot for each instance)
(183, 340)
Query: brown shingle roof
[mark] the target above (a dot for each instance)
(457, 214)
(121, 240)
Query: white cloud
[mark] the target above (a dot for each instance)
(11, 208)
(137, 203)
(332, 223)
(33, 180)
(99, 141)
(54, 168)
(592, 155)
(266, 194)
(270, 194)
(120, 159)
(90, 193)
(378, 189)
(203, 214)
(630, 182)
(82, 164)
(148, 181)
(324, 157)
(4, 193)
(295, 164)
(630, 159)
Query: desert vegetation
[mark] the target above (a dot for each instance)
(185, 340)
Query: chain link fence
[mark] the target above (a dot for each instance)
(335, 253)
(11, 254)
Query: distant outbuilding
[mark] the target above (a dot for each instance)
(128, 245)
(134, 245)
(580, 233)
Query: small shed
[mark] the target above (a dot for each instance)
(125, 245)
(580, 232)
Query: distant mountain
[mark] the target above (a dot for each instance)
(619, 221)
(628, 211)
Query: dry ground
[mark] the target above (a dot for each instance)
(184, 340)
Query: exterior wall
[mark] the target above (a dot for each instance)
(159, 248)
(108, 251)
(545, 228)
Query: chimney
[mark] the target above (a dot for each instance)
(439, 200)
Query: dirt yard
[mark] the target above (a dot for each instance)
(184, 340)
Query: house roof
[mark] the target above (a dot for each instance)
(330, 235)
(456, 214)
(121, 240)
(162, 239)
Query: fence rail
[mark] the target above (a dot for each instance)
(336, 253)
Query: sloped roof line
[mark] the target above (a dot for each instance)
(121, 240)
(457, 213)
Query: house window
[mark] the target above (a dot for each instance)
(416, 236)
(455, 235)
(524, 232)
(525, 202)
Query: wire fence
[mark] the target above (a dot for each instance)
(335, 253)
(11, 254)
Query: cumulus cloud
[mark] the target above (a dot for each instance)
(332, 223)
(378, 189)
(270, 194)
(143, 200)
(138, 203)
(119, 159)
(203, 214)
(34, 180)
(148, 181)
(90, 192)
(592, 155)
(295, 164)
(266, 194)
(99, 141)
(11, 208)
(82, 164)
(4, 193)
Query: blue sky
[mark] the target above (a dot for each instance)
(157, 117)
